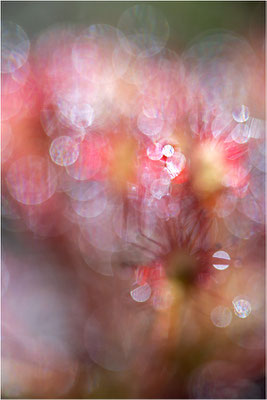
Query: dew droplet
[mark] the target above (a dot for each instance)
(168, 150)
(145, 28)
(90, 208)
(92, 53)
(149, 126)
(242, 307)
(15, 47)
(141, 293)
(175, 164)
(241, 113)
(31, 180)
(221, 260)
(64, 151)
(221, 316)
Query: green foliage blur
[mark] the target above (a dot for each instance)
(187, 19)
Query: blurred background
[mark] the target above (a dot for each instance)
(186, 19)
(132, 297)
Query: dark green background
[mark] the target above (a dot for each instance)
(186, 18)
